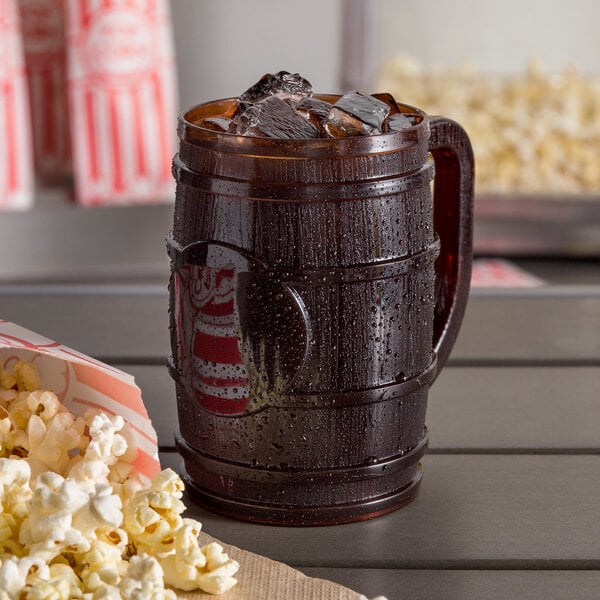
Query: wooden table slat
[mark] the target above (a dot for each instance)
(473, 512)
(129, 325)
(494, 409)
(427, 584)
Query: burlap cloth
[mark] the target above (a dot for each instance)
(261, 578)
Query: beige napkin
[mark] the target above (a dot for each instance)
(261, 578)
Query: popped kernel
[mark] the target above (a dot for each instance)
(103, 565)
(16, 573)
(62, 584)
(153, 518)
(8, 526)
(7, 380)
(152, 515)
(143, 579)
(48, 443)
(43, 403)
(6, 433)
(184, 561)
(15, 492)
(88, 473)
(26, 375)
(18, 410)
(191, 567)
(48, 529)
(106, 444)
(102, 513)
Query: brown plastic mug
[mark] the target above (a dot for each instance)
(317, 288)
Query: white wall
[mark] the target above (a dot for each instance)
(224, 46)
(494, 35)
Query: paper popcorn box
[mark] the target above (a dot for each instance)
(80, 382)
(16, 165)
(121, 80)
(43, 29)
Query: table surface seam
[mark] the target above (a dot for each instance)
(559, 564)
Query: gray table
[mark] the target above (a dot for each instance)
(510, 501)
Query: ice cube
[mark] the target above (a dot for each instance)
(241, 106)
(389, 100)
(283, 84)
(222, 124)
(261, 89)
(274, 118)
(399, 121)
(315, 110)
(356, 114)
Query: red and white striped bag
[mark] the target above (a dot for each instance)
(16, 165)
(121, 77)
(43, 28)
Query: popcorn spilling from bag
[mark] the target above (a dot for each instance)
(75, 522)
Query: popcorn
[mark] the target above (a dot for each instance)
(48, 530)
(102, 513)
(16, 573)
(88, 473)
(62, 584)
(534, 133)
(6, 433)
(49, 443)
(11, 548)
(8, 526)
(120, 477)
(153, 518)
(143, 579)
(185, 560)
(19, 412)
(43, 403)
(103, 565)
(15, 492)
(220, 569)
(117, 537)
(12, 578)
(106, 444)
(74, 521)
(7, 380)
(152, 515)
(26, 376)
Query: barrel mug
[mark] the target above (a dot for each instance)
(317, 288)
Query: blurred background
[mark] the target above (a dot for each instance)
(223, 46)
(523, 77)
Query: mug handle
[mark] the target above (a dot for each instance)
(453, 221)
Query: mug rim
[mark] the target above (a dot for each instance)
(189, 131)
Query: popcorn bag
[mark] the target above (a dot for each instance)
(43, 29)
(16, 168)
(45, 517)
(121, 79)
(81, 383)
